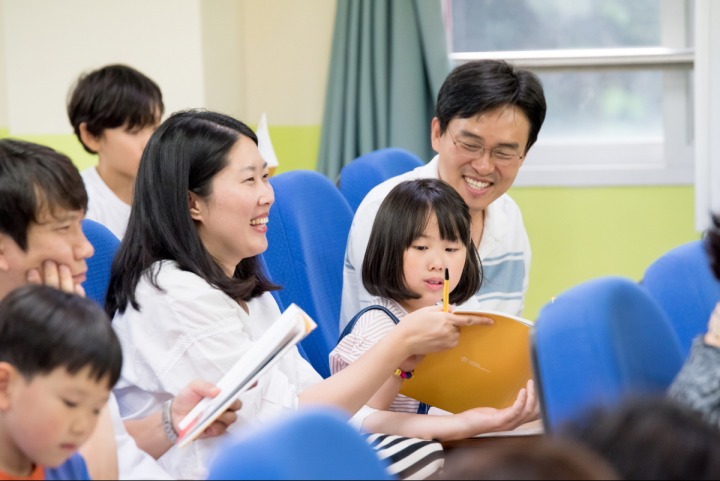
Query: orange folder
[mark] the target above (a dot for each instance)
(486, 369)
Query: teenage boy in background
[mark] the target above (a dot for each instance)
(113, 111)
(487, 116)
(59, 360)
(42, 242)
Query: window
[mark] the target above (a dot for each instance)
(618, 82)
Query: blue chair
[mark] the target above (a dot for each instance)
(307, 233)
(309, 444)
(98, 274)
(683, 284)
(598, 343)
(365, 172)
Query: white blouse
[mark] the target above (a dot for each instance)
(191, 330)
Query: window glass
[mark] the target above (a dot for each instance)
(498, 25)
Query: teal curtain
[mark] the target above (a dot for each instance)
(389, 59)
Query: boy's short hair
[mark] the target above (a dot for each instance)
(33, 178)
(402, 218)
(42, 328)
(111, 97)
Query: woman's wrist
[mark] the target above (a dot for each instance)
(167, 422)
(712, 339)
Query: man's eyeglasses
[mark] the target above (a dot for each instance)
(503, 155)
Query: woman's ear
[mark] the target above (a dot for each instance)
(194, 206)
(88, 139)
(8, 375)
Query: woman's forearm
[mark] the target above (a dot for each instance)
(352, 387)
(149, 435)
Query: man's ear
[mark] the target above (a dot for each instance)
(435, 134)
(88, 139)
(194, 207)
(4, 262)
(8, 377)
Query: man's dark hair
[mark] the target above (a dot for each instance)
(33, 178)
(479, 86)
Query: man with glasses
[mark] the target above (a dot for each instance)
(487, 116)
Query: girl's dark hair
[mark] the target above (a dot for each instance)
(183, 155)
(401, 219)
(42, 328)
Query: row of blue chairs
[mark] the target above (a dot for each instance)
(611, 338)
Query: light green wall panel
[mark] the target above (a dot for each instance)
(296, 147)
(578, 234)
(67, 144)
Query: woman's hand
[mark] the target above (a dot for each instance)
(430, 329)
(192, 394)
(712, 337)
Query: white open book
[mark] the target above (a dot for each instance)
(292, 326)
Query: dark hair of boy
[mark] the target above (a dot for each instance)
(111, 97)
(42, 329)
(32, 178)
(402, 218)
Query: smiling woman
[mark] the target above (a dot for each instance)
(189, 297)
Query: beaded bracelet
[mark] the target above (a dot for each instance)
(168, 427)
(404, 374)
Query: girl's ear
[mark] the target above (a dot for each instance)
(194, 205)
(8, 376)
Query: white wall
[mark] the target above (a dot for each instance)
(287, 51)
(242, 57)
(47, 44)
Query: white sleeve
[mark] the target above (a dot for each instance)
(133, 462)
(354, 295)
(359, 418)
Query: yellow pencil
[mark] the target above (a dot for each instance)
(446, 291)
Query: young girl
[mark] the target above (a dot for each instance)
(422, 229)
(189, 296)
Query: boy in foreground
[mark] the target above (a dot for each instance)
(59, 359)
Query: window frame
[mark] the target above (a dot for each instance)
(667, 161)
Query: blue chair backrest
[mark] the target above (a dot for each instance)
(307, 233)
(598, 343)
(365, 172)
(309, 444)
(98, 274)
(682, 282)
